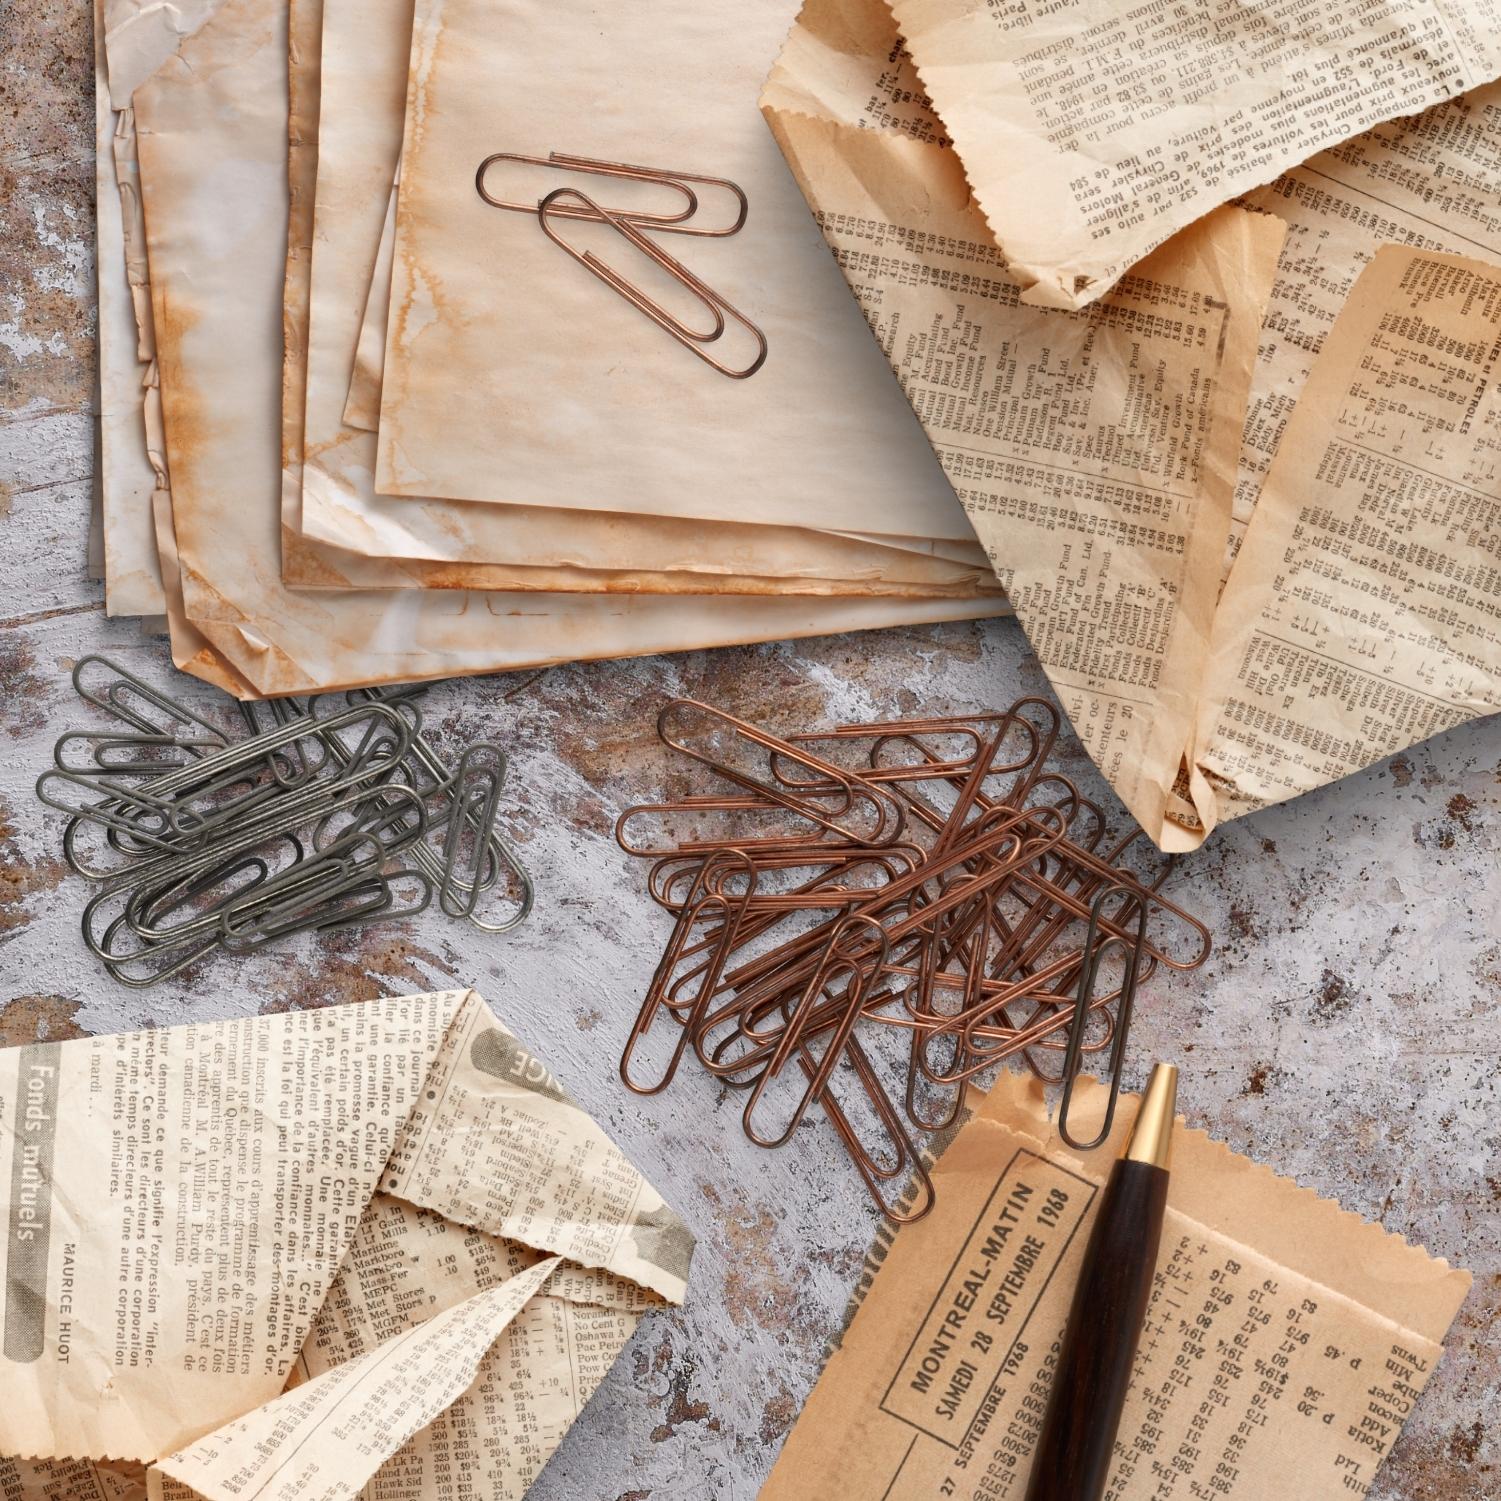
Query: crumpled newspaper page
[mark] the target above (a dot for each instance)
(1096, 451)
(1069, 452)
(295, 1253)
(1285, 1343)
(1092, 133)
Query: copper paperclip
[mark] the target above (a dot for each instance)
(680, 223)
(716, 305)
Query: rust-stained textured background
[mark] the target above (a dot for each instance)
(1347, 1030)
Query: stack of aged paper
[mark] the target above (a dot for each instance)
(610, 503)
(1285, 1343)
(1130, 380)
(361, 425)
(297, 1254)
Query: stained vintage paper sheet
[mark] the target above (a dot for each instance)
(216, 111)
(1091, 133)
(1285, 1344)
(362, 409)
(1096, 452)
(303, 1251)
(94, 559)
(191, 649)
(682, 541)
(357, 125)
(132, 576)
(549, 377)
(140, 547)
(141, 560)
(141, 574)
(1363, 613)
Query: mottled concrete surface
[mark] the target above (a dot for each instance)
(1347, 1029)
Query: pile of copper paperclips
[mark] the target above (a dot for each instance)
(320, 814)
(919, 895)
(636, 227)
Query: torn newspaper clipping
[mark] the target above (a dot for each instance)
(1363, 613)
(1093, 133)
(1285, 1342)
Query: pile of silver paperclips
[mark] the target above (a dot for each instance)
(932, 879)
(636, 226)
(323, 813)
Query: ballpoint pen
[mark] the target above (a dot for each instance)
(1073, 1455)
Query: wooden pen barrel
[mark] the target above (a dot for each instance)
(1099, 1345)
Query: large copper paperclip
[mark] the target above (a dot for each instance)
(716, 305)
(681, 223)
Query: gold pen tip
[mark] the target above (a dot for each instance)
(1151, 1138)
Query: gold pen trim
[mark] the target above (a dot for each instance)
(1151, 1138)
